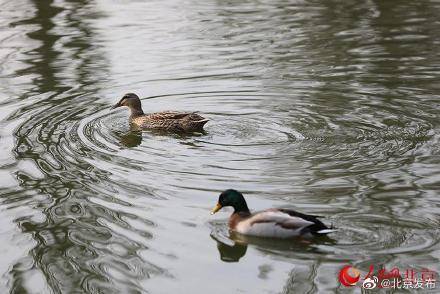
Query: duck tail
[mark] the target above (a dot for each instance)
(201, 122)
(332, 229)
(326, 231)
(196, 125)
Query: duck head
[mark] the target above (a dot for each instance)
(131, 101)
(232, 198)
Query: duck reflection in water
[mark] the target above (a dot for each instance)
(233, 247)
(230, 250)
(130, 139)
(134, 136)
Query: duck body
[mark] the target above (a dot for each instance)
(276, 223)
(272, 223)
(170, 121)
(167, 120)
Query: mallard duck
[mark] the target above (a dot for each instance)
(273, 223)
(166, 120)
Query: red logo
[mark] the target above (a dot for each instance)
(349, 276)
(413, 278)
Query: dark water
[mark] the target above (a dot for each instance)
(329, 107)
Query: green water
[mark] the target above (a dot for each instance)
(328, 107)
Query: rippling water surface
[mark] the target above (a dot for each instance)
(329, 107)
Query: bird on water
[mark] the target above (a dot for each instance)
(166, 120)
(272, 223)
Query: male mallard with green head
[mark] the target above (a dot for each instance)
(272, 223)
(166, 120)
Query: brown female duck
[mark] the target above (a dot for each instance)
(166, 120)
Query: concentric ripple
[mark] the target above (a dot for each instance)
(326, 107)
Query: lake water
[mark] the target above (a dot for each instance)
(328, 107)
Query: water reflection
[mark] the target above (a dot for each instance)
(129, 139)
(75, 246)
(230, 252)
(232, 246)
(134, 136)
(330, 106)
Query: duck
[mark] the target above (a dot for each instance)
(166, 120)
(270, 223)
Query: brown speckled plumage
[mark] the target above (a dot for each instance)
(167, 120)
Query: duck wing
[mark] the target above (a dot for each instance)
(309, 217)
(164, 115)
(282, 218)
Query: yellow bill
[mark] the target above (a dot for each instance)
(216, 208)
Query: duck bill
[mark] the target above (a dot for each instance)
(115, 106)
(216, 208)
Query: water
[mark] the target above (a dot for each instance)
(328, 107)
